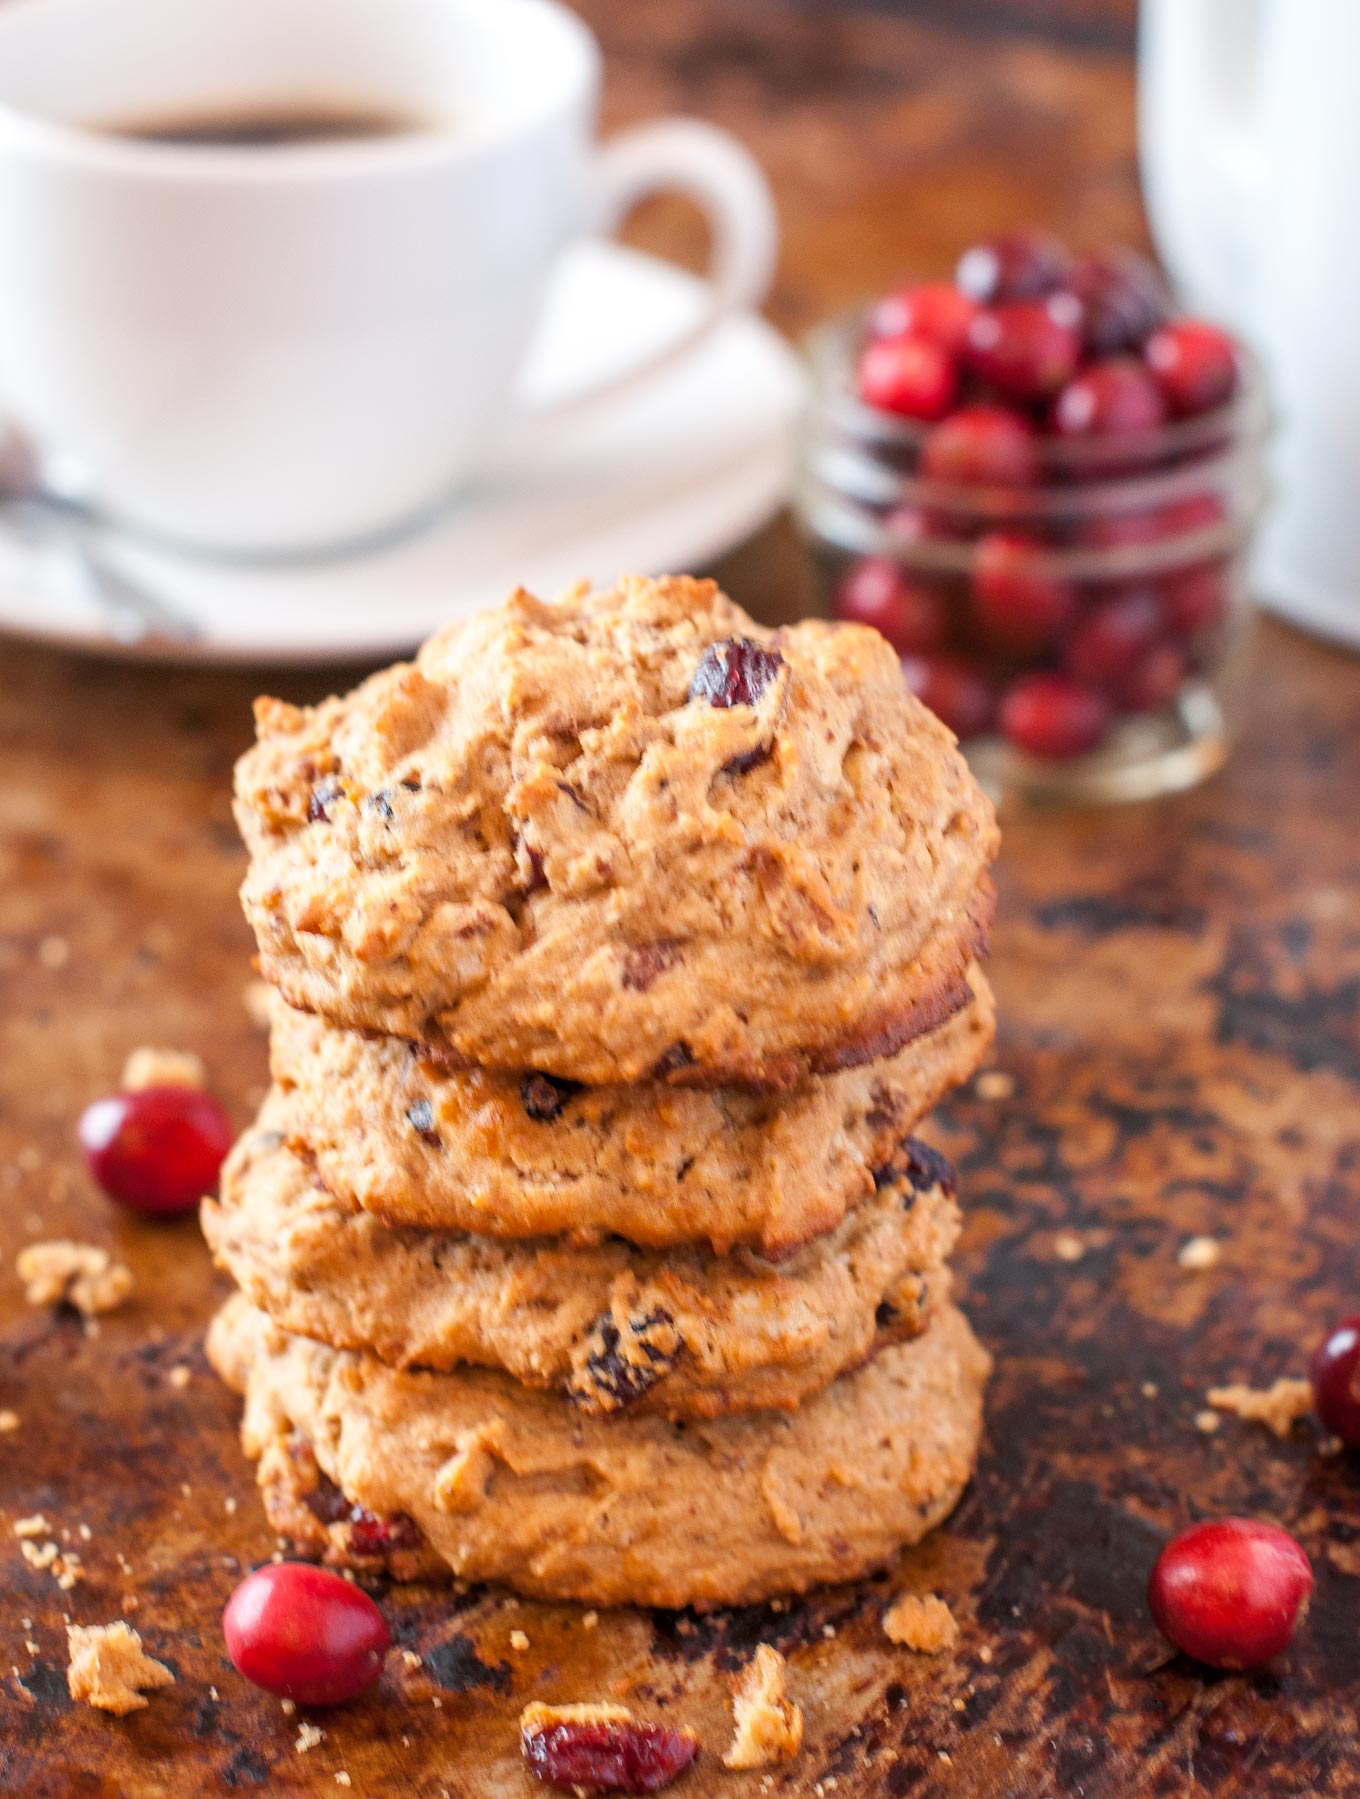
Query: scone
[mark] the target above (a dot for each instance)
(525, 1156)
(611, 1328)
(627, 836)
(506, 1484)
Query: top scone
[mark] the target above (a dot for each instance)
(626, 835)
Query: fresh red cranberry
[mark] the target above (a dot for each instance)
(932, 309)
(1179, 518)
(1022, 604)
(1123, 300)
(734, 673)
(912, 616)
(1195, 366)
(1231, 1592)
(157, 1151)
(1115, 398)
(1026, 348)
(982, 446)
(615, 1755)
(1335, 1373)
(911, 376)
(1196, 512)
(1196, 599)
(1114, 634)
(1022, 265)
(1154, 680)
(956, 691)
(304, 1633)
(1053, 716)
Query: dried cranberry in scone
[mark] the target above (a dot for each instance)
(734, 673)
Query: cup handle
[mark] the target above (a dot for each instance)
(710, 167)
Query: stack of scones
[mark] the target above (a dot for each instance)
(583, 1242)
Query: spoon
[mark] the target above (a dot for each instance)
(46, 512)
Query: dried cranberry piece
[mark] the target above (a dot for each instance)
(609, 1756)
(926, 1167)
(420, 1117)
(544, 1096)
(734, 673)
(322, 797)
(373, 1536)
(622, 1368)
(645, 961)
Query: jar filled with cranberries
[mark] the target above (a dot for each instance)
(1040, 482)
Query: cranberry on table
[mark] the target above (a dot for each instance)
(1052, 716)
(1026, 348)
(1022, 605)
(877, 592)
(911, 376)
(1113, 635)
(982, 446)
(1115, 398)
(157, 1151)
(932, 309)
(304, 1633)
(1230, 1592)
(1123, 300)
(1195, 365)
(956, 690)
(1335, 1374)
(1021, 265)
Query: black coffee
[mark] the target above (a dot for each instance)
(260, 126)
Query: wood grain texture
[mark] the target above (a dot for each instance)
(1180, 995)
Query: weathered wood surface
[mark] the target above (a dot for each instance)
(1180, 993)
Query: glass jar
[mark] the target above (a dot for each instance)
(1096, 615)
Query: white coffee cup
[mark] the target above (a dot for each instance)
(273, 349)
(1250, 141)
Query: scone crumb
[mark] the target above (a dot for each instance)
(308, 1736)
(1198, 1253)
(1207, 1422)
(342, 1779)
(538, 1716)
(590, 1620)
(287, 1707)
(33, 1526)
(518, 1641)
(9, 1421)
(180, 1375)
(1278, 1406)
(410, 1659)
(108, 1668)
(923, 1623)
(80, 1274)
(1068, 1246)
(54, 953)
(985, 1655)
(994, 1083)
(148, 1067)
(767, 1725)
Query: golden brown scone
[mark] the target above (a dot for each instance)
(630, 835)
(524, 1156)
(507, 1484)
(612, 1328)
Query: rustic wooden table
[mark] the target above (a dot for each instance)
(1180, 994)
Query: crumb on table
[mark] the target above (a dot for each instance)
(308, 1736)
(923, 1623)
(1198, 1253)
(149, 1067)
(80, 1274)
(108, 1667)
(1278, 1406)
(767, 1725)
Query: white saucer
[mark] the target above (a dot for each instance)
(664, 477)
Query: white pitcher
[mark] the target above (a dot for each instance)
(1249, 130)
